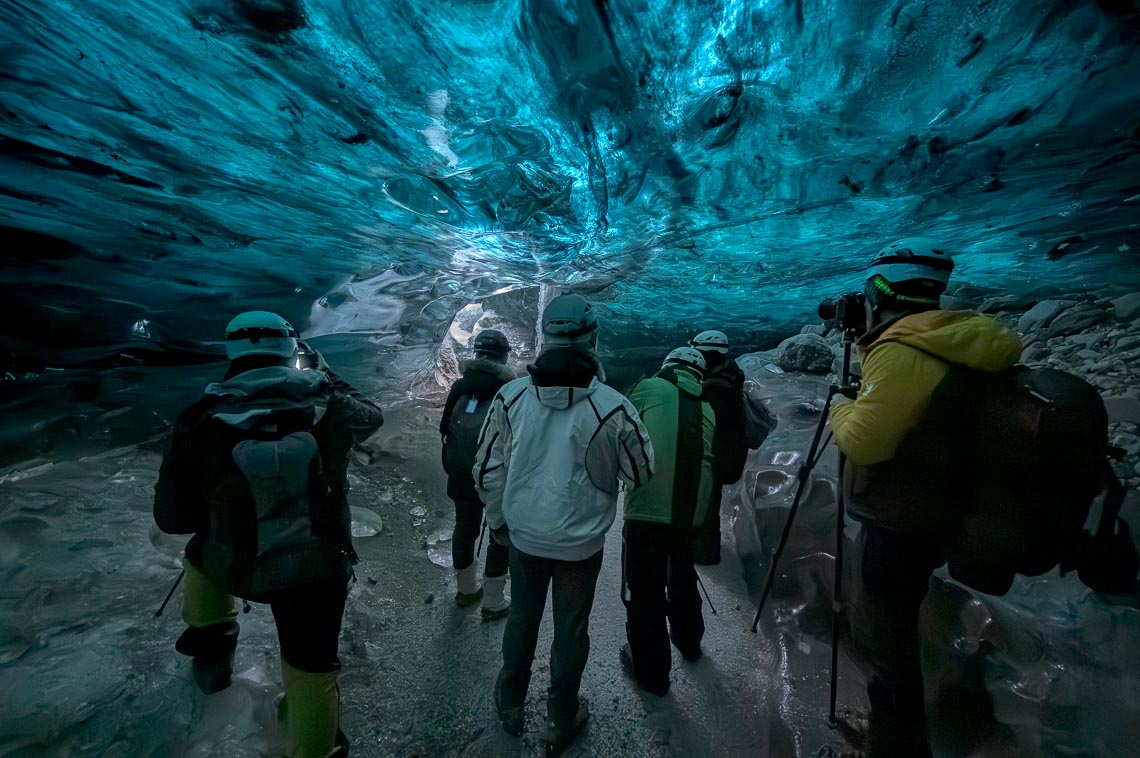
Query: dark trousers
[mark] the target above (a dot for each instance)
(706, 537)
(468, 525)
(308, 627)
(659, 583)
(574, 583)
(895, 570)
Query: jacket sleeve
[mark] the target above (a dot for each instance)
(493, 461)
(178, 504)
(635, 458)
(896, 389)
(357, 413)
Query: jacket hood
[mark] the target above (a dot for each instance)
(561, 398)
(566, 367)
(961, 337)
(684, 380)
(500, 371)
(249, 399)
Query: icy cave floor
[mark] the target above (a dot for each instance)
(89, 670)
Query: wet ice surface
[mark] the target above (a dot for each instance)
(88, 669)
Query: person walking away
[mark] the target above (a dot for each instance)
(658, 578)
(907, 350)
(724, 391)
(463, 416)
(256, 472)
(556, 444)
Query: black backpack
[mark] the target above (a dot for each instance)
(1039, 458)
(461, 442)
(1013, 463)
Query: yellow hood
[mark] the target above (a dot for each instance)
(961, 337)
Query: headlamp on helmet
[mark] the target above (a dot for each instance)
(260, 333)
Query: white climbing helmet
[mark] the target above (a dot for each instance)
(260, 333)
(686, 356)
(911, 259)
(712, 341)
(569, 321)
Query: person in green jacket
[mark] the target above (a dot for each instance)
(658, 578)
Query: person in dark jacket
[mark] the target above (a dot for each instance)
(658, 578)
(256, 472)
(724, 391)
(462, 421)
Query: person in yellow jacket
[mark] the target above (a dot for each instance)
(908, 349)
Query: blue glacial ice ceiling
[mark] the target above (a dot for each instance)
(375, 166)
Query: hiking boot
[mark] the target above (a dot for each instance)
(691, 654)
(558, 737)
(511, 718)
(626, 658)
(496, 604)
(468, 591)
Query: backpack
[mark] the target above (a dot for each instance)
(268, 542)
(1039, 460)
(1010, 465)
(461, 442)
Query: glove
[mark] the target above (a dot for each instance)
(502, 536)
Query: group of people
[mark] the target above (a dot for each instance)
(547, 455)
(256, 472)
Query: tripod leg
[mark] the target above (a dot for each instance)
(803, 474)
(837, 594)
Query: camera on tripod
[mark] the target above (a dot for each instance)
(845, 312)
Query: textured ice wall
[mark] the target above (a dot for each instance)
(687, 163)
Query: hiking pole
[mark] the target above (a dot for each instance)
(482, 534)
(707, 598)
(170, 594)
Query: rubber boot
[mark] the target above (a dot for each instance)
(212, 648)
(469, 592)
(311, 713)
(496, 604)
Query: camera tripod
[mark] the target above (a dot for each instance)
(847, 389)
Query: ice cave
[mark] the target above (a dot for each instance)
(394, 177)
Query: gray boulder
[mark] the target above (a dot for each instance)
(1041, 314)
(1076, 320)
(1126, 308)
(807, 353)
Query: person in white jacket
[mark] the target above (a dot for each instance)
(553, 450)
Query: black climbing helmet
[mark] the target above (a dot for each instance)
(492, 344)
